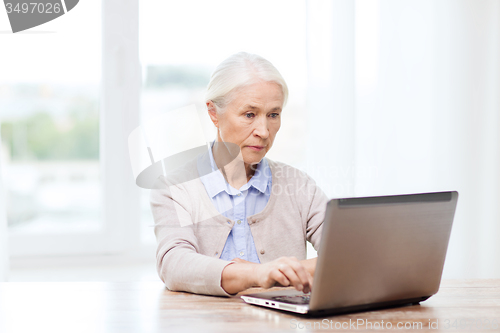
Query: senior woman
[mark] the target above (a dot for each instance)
(245, 222)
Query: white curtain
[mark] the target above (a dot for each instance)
(4, 249)
(417, 110)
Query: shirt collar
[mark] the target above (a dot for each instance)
(215, 183)
(262, 176)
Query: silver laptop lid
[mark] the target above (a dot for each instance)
(382, 249)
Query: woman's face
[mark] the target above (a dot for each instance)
(251, 120)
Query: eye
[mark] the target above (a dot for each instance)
(274, 115)
(249, 115)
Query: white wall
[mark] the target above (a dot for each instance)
(425, 111)
(331, 95)
(4, 248)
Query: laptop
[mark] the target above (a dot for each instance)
(375, 252)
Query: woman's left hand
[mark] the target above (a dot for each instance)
(241, 276)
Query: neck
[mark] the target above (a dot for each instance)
(229, 160)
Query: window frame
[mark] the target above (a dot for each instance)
(120, 89)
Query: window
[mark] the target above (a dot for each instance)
(49, 102)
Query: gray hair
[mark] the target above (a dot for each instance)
(239, 70)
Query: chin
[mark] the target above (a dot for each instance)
(253, 159)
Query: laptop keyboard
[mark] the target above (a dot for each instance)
(299, 299)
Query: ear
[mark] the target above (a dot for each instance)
(212, 113)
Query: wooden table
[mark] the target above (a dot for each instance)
(90, 307)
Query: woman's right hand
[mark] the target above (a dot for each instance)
(286, 271)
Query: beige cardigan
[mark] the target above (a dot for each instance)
(191, 233)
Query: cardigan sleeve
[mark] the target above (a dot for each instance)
(316, 209)
(178, 261)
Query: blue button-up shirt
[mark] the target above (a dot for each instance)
(237, 204)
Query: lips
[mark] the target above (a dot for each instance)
(257, 148)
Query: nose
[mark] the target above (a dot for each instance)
(261, 128)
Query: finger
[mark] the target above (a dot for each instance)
(279, 277)
(301, 272)
(309, 287)
(291, 275)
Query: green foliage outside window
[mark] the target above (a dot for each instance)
(42, 136)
